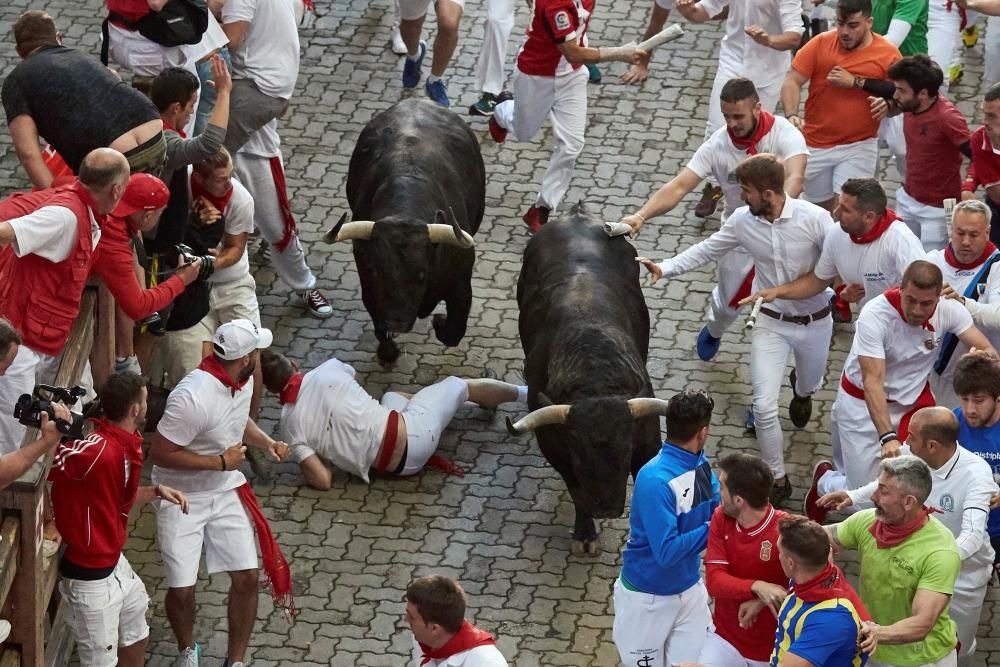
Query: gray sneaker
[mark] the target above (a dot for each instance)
(189, 657)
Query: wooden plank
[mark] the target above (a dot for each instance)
(10, 658)
(60, 644)
(102, 354)
(9, 534)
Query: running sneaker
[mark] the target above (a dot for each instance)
(189, 657)
(801, 407)
(316, 303)
(750, 424)
(437, 91)
(710, 197)
(781, 491)
(396, 42)
(955, 73)
(411, 68)
(484, 107)
(707, 345)
(594, 74)
(970, 36)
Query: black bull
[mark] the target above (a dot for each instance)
(584, 327)
(417, 178)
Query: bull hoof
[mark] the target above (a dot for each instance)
(581, 547)
(440, 324)
(388, 353)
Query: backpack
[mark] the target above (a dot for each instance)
(179, 22)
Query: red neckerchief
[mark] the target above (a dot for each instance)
(290, 392)
(880, 228)
(749, 144)
(949, 256)
(830, 584)
(893, 297)
(212, 366)
(81, 190)
(887, 536)
(468, 637)
(277, 576)
(168, 126)
(219, 203)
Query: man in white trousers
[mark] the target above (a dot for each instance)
(550, 80)
(897, 338)
(497, 26)
(784, 237)
(760, 35)
(972, 278)
(749, 129)
(961, 488)
(259, 167)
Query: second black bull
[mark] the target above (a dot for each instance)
(417, 190)
(584, 327)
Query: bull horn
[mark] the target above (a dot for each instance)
(439, 233)
(647, 407)
(360, 230)
(551, 414)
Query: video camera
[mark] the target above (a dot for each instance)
(184, 255)
(29, 408)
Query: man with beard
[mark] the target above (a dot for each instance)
(198, 448)
(985, 169)
(750, 129)
(899, 542)
(839, 125)
(95, 483)
(971, 278)
(897, 339)
(784, 237)
(936, 138)
(977, 383)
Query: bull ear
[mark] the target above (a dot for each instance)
(446, 234)
(360, 230)
(551, 414)
(544, 400)
(647, 407)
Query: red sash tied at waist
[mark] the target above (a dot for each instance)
(924, 400)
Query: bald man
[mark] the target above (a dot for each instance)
(961, 488)
(52, 235)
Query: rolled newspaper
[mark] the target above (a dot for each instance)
(613, 229)
(666, 35)
(752, 319)
(949, 210)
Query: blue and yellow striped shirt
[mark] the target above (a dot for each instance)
(824, 633)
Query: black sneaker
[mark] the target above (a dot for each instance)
(800, 408)
(484, 107)
(781, 492)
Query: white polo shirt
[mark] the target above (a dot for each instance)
(718, 157)
(480, 656)
(336, 418)
(269, 54)
(238, 219)
(204, 417)
(782, 250)
(878, 265)
(739, 54)
(909, 351)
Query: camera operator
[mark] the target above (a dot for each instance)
(95, 483)
(53, 234)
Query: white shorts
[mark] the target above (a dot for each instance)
(717, 652)
(828, 168)
(106, 614)
(233, 300)
(929, 223)
(411, 10)
(27, 369)
(426, 416)
(660, 630)
(215, 519)
(180, 352)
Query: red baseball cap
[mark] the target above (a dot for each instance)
(144, 192)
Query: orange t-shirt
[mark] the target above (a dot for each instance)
(837, 116)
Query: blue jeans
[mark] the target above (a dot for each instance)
(206, 102)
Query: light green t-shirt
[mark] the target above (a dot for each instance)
(928, 559)
(913, 12)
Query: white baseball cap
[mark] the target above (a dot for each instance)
(239, 338)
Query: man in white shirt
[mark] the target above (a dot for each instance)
(328, 416)
(264, 46)
(971, 278)
(497, 26)
(962, 486)
(749, 129)
(885, 380)
(435, 612)
(869, 251)
(760, 35)
(198, 449)
(784, 237)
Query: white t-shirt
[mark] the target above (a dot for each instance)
(480, 656)
(212, 39)
(718, 157)
(239, 219)
(909, 352)
(739, 54)
(335, 418)
(985, 314)
(269, 54)
(203, 416)
(50, 233)
(878, 265)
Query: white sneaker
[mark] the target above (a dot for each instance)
(189, 657)
(396, 41)
(4, 630)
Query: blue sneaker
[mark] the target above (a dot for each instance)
(411, 68)
(593, 74)
(438, 92)
(751, 423)
(707, 345)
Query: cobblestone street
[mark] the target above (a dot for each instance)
(503, 529)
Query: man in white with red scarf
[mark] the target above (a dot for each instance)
(897, 338)
(749, 129)
(198, 449)
(435, 612)
(970, 276)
